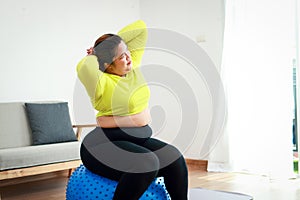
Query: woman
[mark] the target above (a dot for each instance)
(121, 147)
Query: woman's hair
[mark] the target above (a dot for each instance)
(105, 48)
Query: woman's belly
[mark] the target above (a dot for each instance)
(136, 120)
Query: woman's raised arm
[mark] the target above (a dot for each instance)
(88, 73)
(135, 36)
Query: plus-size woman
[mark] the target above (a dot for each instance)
(121, 147)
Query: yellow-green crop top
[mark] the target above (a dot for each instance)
(111, 94)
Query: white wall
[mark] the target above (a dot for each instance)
(197, 19)
(202, 21)
(42, 41)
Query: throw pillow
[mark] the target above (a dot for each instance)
(50, 123)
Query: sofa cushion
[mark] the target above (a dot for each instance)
(13, 158)
(15, 130)
(50, 123)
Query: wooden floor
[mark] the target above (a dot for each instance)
(259, 187)
(52, 187)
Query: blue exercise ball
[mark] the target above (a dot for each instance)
(85, 185)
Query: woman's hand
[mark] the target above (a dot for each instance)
(90, 51)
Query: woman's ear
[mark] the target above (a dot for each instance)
(106, 65)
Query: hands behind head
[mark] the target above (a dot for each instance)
(90, 51)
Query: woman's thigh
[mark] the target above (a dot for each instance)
(165, 152)
(113, 159)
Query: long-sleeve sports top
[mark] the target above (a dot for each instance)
(114, 95)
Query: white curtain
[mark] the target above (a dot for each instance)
(259, 46)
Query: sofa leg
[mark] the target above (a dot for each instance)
(70, 172)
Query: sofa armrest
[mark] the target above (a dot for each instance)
(80, 127)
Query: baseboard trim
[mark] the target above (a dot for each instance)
(196, 164)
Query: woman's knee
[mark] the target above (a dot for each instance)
(172, 152)
(134, 158)
(161, 148)
(168, 155)
(146, 162)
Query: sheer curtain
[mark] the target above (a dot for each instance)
(259, 46)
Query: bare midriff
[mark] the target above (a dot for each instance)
(136, 120)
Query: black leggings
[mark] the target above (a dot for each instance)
(131, 157)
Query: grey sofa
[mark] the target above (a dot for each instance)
(21, 155)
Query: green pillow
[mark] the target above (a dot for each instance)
(50, 123)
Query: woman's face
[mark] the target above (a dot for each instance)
(121, 64)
